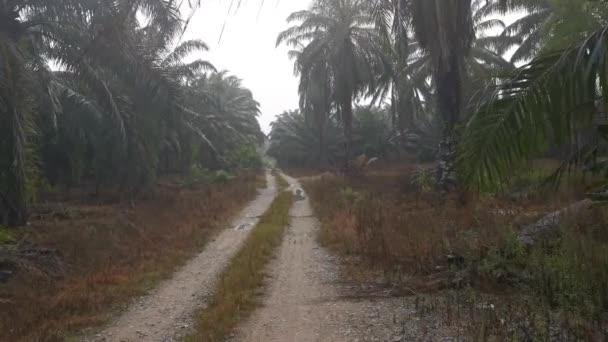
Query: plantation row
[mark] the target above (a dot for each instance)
(480, 86)
(99, 94)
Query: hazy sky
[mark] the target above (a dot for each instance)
(247, 48)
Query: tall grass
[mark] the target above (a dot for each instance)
(470, 254)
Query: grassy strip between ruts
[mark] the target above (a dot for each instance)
(281, 181)
(235, 297)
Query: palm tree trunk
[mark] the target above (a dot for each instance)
(14, 126)
(321, 146)
(447, 179)
(449, 92)
(16, 194)
(404, 108)
(347, 118)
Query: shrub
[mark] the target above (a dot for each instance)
(199, 174)
(7, 236)
(244, 157)
(222, 177)
(423, 179)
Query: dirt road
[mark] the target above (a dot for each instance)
(291, 311)
(306, 302)
(165, 314)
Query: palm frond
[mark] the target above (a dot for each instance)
(547, 101)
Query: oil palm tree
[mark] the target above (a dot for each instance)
(548, 102)
(26, 26)
(294, 139)
(341, 35)
(226, 113)
(444, 30)
(315, 93)
(393, 21)
(549, 24)
(485, 63)
(116, 103)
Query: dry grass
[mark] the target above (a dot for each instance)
(464, 256)
(114, 252)
(237, 293)
(384, 219)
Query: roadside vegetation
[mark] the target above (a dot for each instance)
(469, 169)
(77, 112)
(464, 261)
(97, 257)
(238, 291)
(122, 149)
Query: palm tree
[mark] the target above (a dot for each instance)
(551, 100)
(444, 30)
(294, 140)
(393, 23)
(227, 113)
(414, 66)
(117, 104)
(315, 97)
(338, 37)
(549, 24)
(25, 24)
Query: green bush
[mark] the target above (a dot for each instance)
(222, 177)
(504, 263)
(199, 174)
(7, 236)
(423, 179)
(244, 157)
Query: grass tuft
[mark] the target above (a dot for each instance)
(7, 236)
(236, 294)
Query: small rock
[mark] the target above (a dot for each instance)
(397, 338)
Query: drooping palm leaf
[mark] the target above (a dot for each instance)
(548, 101)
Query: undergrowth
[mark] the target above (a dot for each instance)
(114, 252)
(464, 260)
(235, 297)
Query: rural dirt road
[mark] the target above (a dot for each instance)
(296, 306)
(305, 300)
(165, 314)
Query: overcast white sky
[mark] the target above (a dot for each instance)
(247, 48)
